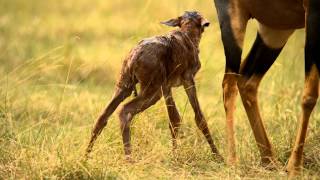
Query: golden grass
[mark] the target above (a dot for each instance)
(59, 62)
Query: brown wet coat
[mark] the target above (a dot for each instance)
(158, 64)
(162, 60)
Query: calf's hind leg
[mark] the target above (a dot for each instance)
(119, 95)
(147, 97)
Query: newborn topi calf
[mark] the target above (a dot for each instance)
(158, 64)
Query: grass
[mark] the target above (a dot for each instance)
(59, 63)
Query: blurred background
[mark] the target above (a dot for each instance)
(59, 61)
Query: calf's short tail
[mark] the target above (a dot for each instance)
(120, 95)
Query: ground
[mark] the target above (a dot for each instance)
(59, 63)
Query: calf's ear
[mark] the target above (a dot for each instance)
(173, 22)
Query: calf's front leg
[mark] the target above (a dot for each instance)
(190, 89)
(175, 120)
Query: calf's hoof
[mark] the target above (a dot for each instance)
(217, 157)
(129, 159)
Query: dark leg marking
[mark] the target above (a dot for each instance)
(259, 59)
(231, 48)
(312, 48)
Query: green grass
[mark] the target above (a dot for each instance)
(59, 63)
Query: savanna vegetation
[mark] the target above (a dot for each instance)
(59, 61)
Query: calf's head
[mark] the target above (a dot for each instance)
(190, 21)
